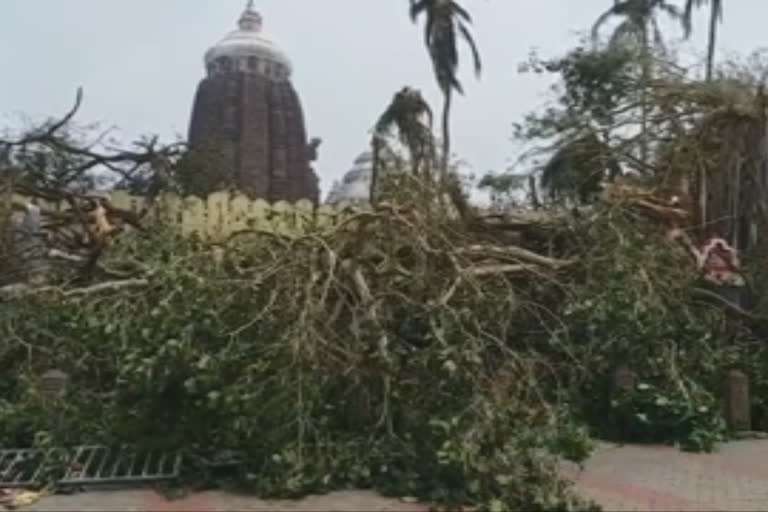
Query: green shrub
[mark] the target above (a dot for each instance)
(248, 357)
(650, 414)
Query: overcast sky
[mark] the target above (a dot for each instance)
(139, 62)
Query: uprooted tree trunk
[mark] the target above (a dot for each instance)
(50, 165)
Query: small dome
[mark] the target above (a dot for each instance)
(355, 186)
(365, 158)
(248, 42)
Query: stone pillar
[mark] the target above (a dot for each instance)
(624, 379)
(280, 178)
(737, 404)
(255, 137)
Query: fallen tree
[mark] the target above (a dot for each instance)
(55, 162)
(401, 350)
(457, 358)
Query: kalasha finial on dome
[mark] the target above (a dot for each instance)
(250, 20)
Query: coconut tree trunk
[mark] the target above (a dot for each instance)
(712, 44)
(645, 80)
(415, 158)
(447, 97)
(534, 192)
(376, 164)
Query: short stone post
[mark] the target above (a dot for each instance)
(624, 379)
(738, 412)
(762, 425)
(53, 385)
(218, 256)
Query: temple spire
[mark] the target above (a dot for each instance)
(250, 20)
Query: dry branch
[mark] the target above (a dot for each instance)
(513, 253)
(487, 270)
(19, 291)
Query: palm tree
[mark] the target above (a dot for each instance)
(446, 21)
(578, 167)
(411, 115)
(715, 16)
(638, 21)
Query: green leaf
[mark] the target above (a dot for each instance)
(497, 506)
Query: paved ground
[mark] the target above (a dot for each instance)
(619, 478)
(663, 478)
(149, 501)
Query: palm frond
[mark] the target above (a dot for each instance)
(691, 5)
(671, 10)
(658, 37)
(602, 20)
(626, 34)
(417, 8)
(637, 14)
(461, 12)
(445, 56)
(386, 122)
(718, 10)
(410, 114)
(429, 29)
(467, 35)
(446, 21)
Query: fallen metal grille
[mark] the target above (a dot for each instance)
(21, 468)
(86, 465)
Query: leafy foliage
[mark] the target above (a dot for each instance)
(595, 85)
(638, 311)
(650, 414)
(504, 187)
(311, 358)
(579, 167)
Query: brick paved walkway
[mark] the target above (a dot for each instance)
(619, 478)
(140, 500)
(663, 478)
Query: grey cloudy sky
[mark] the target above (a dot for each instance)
(139, 62)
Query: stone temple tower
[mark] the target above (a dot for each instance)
(247, 123)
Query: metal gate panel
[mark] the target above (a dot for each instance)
(86, 465)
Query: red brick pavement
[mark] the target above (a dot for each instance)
(662, 478)
(619, 478)
(138, 500)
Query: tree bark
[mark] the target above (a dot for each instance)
(645, 80)
(447, 96)
(376, 146)
(534, 192)
(19, 291)
(712, 39)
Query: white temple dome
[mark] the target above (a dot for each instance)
(248, 49)
(355, 186)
